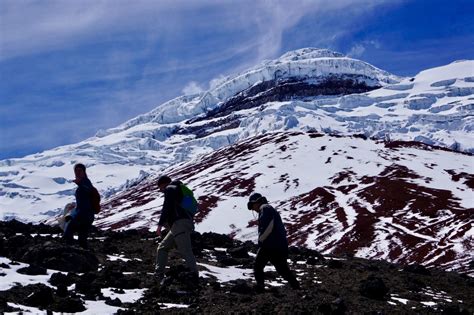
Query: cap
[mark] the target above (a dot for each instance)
(254, 198)
(164, 179)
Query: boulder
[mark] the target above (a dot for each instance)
(212, 240)
(41, 296)
(59, 278)
(374, 288)
(238, 252)
(69, 305)
(57, 256)
(113, 302)
(32, 270)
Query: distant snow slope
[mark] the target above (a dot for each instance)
(397, 201)
(307, 89)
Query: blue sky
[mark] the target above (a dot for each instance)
(70, 68)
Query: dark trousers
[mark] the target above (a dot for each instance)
(278, 259)
(82, 228)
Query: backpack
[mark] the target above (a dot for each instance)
(95, 200)
(188, 202)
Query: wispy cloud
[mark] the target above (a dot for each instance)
(192, 88)
(358, 49)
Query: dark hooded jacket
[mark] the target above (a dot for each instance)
(84, 210)
(271, 231)
(171, 211)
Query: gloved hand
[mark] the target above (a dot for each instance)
(158, 230)
(67, 218)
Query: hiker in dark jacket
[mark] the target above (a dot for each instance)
(272, 242)
(180, 225)
(82, 216)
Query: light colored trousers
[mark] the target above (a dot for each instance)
(180, 237)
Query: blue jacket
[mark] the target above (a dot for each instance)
(83, 210)
(271, 231)
(171, 211)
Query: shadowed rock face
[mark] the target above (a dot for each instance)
(403, 202)
(289, 89)
(330, 284)
(226, 116)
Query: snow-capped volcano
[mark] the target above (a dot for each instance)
(308, 65)
(307, 89)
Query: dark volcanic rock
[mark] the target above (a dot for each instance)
(212, 240)
(114, 302)
(453, 310)
(69, 305)
(62, 290)
(334, 264)
(238, 252)
(328, 286)
(88, 285)
(4, 306)
(374, 288)
(242, 287)
(334, 307)
(41, 296)
(57, 256)
(59, 278)
(15, 243)
(32, 270)
(418, 269)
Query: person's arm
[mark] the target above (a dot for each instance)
(265, 226)
(169, 205)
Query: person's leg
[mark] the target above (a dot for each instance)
(278, 260)
(260, 261)
(162, 254)
(83, 231)
(68, 235)
(182, 230)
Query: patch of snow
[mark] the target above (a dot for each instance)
(129, 295)
(226, 274)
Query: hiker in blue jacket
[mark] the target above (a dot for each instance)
(272, 242)
(81, 218)
(180, 225)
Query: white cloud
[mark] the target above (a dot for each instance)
(360, 48)
(192, 88)
(356, 50)
(216, 81)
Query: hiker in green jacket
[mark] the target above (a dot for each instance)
(180, 225)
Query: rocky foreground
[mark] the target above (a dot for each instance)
(120, 264)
